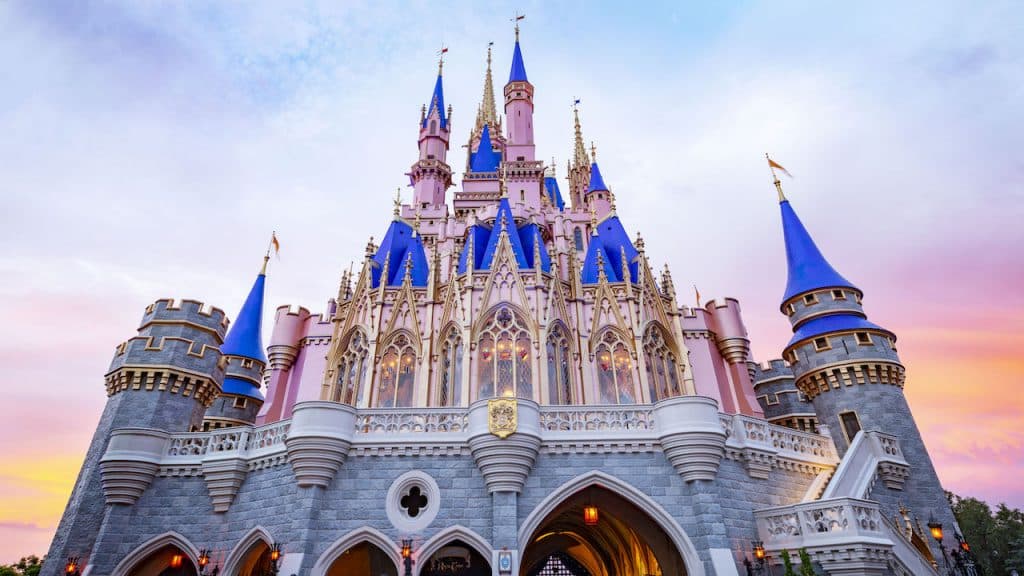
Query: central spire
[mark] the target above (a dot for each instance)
(488, 112)
(518, 72)
(808, 268)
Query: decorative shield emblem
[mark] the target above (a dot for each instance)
(501, 417)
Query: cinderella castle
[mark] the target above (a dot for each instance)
(506, 387)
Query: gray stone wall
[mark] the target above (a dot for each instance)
(826, 303)
(776, 391)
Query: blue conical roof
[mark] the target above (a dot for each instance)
(551, 185)
(437, 101)
(596, 181)
(485, 159)
(518, 72)
(476, 239)
(400, 244)
(616, 241)
(590, 272)
(808, 269)
(244, 339)
(504, 219)
(529, 235)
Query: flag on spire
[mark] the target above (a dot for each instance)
(275, 245)
(697, 294)
(773, 165)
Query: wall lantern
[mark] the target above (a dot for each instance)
(590, 515)
(72, 568)
(176, 560)
(936, 528)
(759, 550)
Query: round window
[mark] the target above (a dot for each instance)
(413, 501)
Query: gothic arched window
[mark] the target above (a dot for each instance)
(503, 368)
(662, 369)
(450, 384)
(577, 236)
(559, 372)
(615, 370)
(351, 371)
(397, 374)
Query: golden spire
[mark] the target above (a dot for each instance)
(488, 113)
(580, 158)
(504, 175)
(263, 269)
(398, 202)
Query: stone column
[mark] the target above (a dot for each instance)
(505, 462)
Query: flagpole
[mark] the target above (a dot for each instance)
(775, 178)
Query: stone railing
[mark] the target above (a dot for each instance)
(871, 456)
(764, 446)
(596, 418)
(845, 535)
(406, 420)
(236, 439)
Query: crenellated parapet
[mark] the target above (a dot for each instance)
(782, 402)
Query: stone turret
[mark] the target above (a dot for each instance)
(160, 381)
(849, 369)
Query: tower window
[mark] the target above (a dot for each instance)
(838, 295)
(851, 425)
(810, 299)
(822, 344)
(577, 235)
(521, 158)
(239, 402)
(863, 338)
(430, 156)
(790, 309)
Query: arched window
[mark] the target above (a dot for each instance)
(615, 371)
(577, 236)
(351, 371)
(450, 384)
(397, 374)
(433, 127)
(559, 379)
(504, 358)
(662, 370)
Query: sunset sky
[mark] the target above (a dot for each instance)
(149, 148)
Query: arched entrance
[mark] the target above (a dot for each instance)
(630, 536)
(456, 558)
(363, 559)
(256, 560)
(169, 554)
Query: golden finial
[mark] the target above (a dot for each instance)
(639, 242)
(440, 58)
(593, 152)
(554, 166)
(266, 258)
(504, 175)
(398, 202)
(416, 222)
(593, 219)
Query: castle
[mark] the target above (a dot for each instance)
(506, 387)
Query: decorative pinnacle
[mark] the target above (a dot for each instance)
(554, 166)
(516, 19)
(601, 276)
(580, 149)
(416, 223)
(370, 248)
(639, 242)
(397, 202)
(504, 175)
(593, 219)
(593, 151)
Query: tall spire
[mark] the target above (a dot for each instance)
(437, 98)
(580, 150)
(808, 268)
(488, 112)
(579, 168)
(518, 72)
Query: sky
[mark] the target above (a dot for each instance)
(149, 148)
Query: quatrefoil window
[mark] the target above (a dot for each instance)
(413, 502)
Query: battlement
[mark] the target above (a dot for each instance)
(187, 311)
(771, 370)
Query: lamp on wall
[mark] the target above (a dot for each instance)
(590, 515)
(407, 556)
(936, 528)
(73, 568)
(176, 560)
(204, 563)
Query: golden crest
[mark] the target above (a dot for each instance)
(502, 418)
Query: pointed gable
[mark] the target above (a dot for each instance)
(518, 72)
(504, 221)
(486, 159)
(808, 269)
(245, 338)
(415, 261)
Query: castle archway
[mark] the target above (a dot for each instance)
(362, 552)
(632, 534)
(169, 554)
(251, 556)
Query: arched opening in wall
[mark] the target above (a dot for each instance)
(596, 532)
(456, 558)
(256, 561)
(168, 560)
(363, 559)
